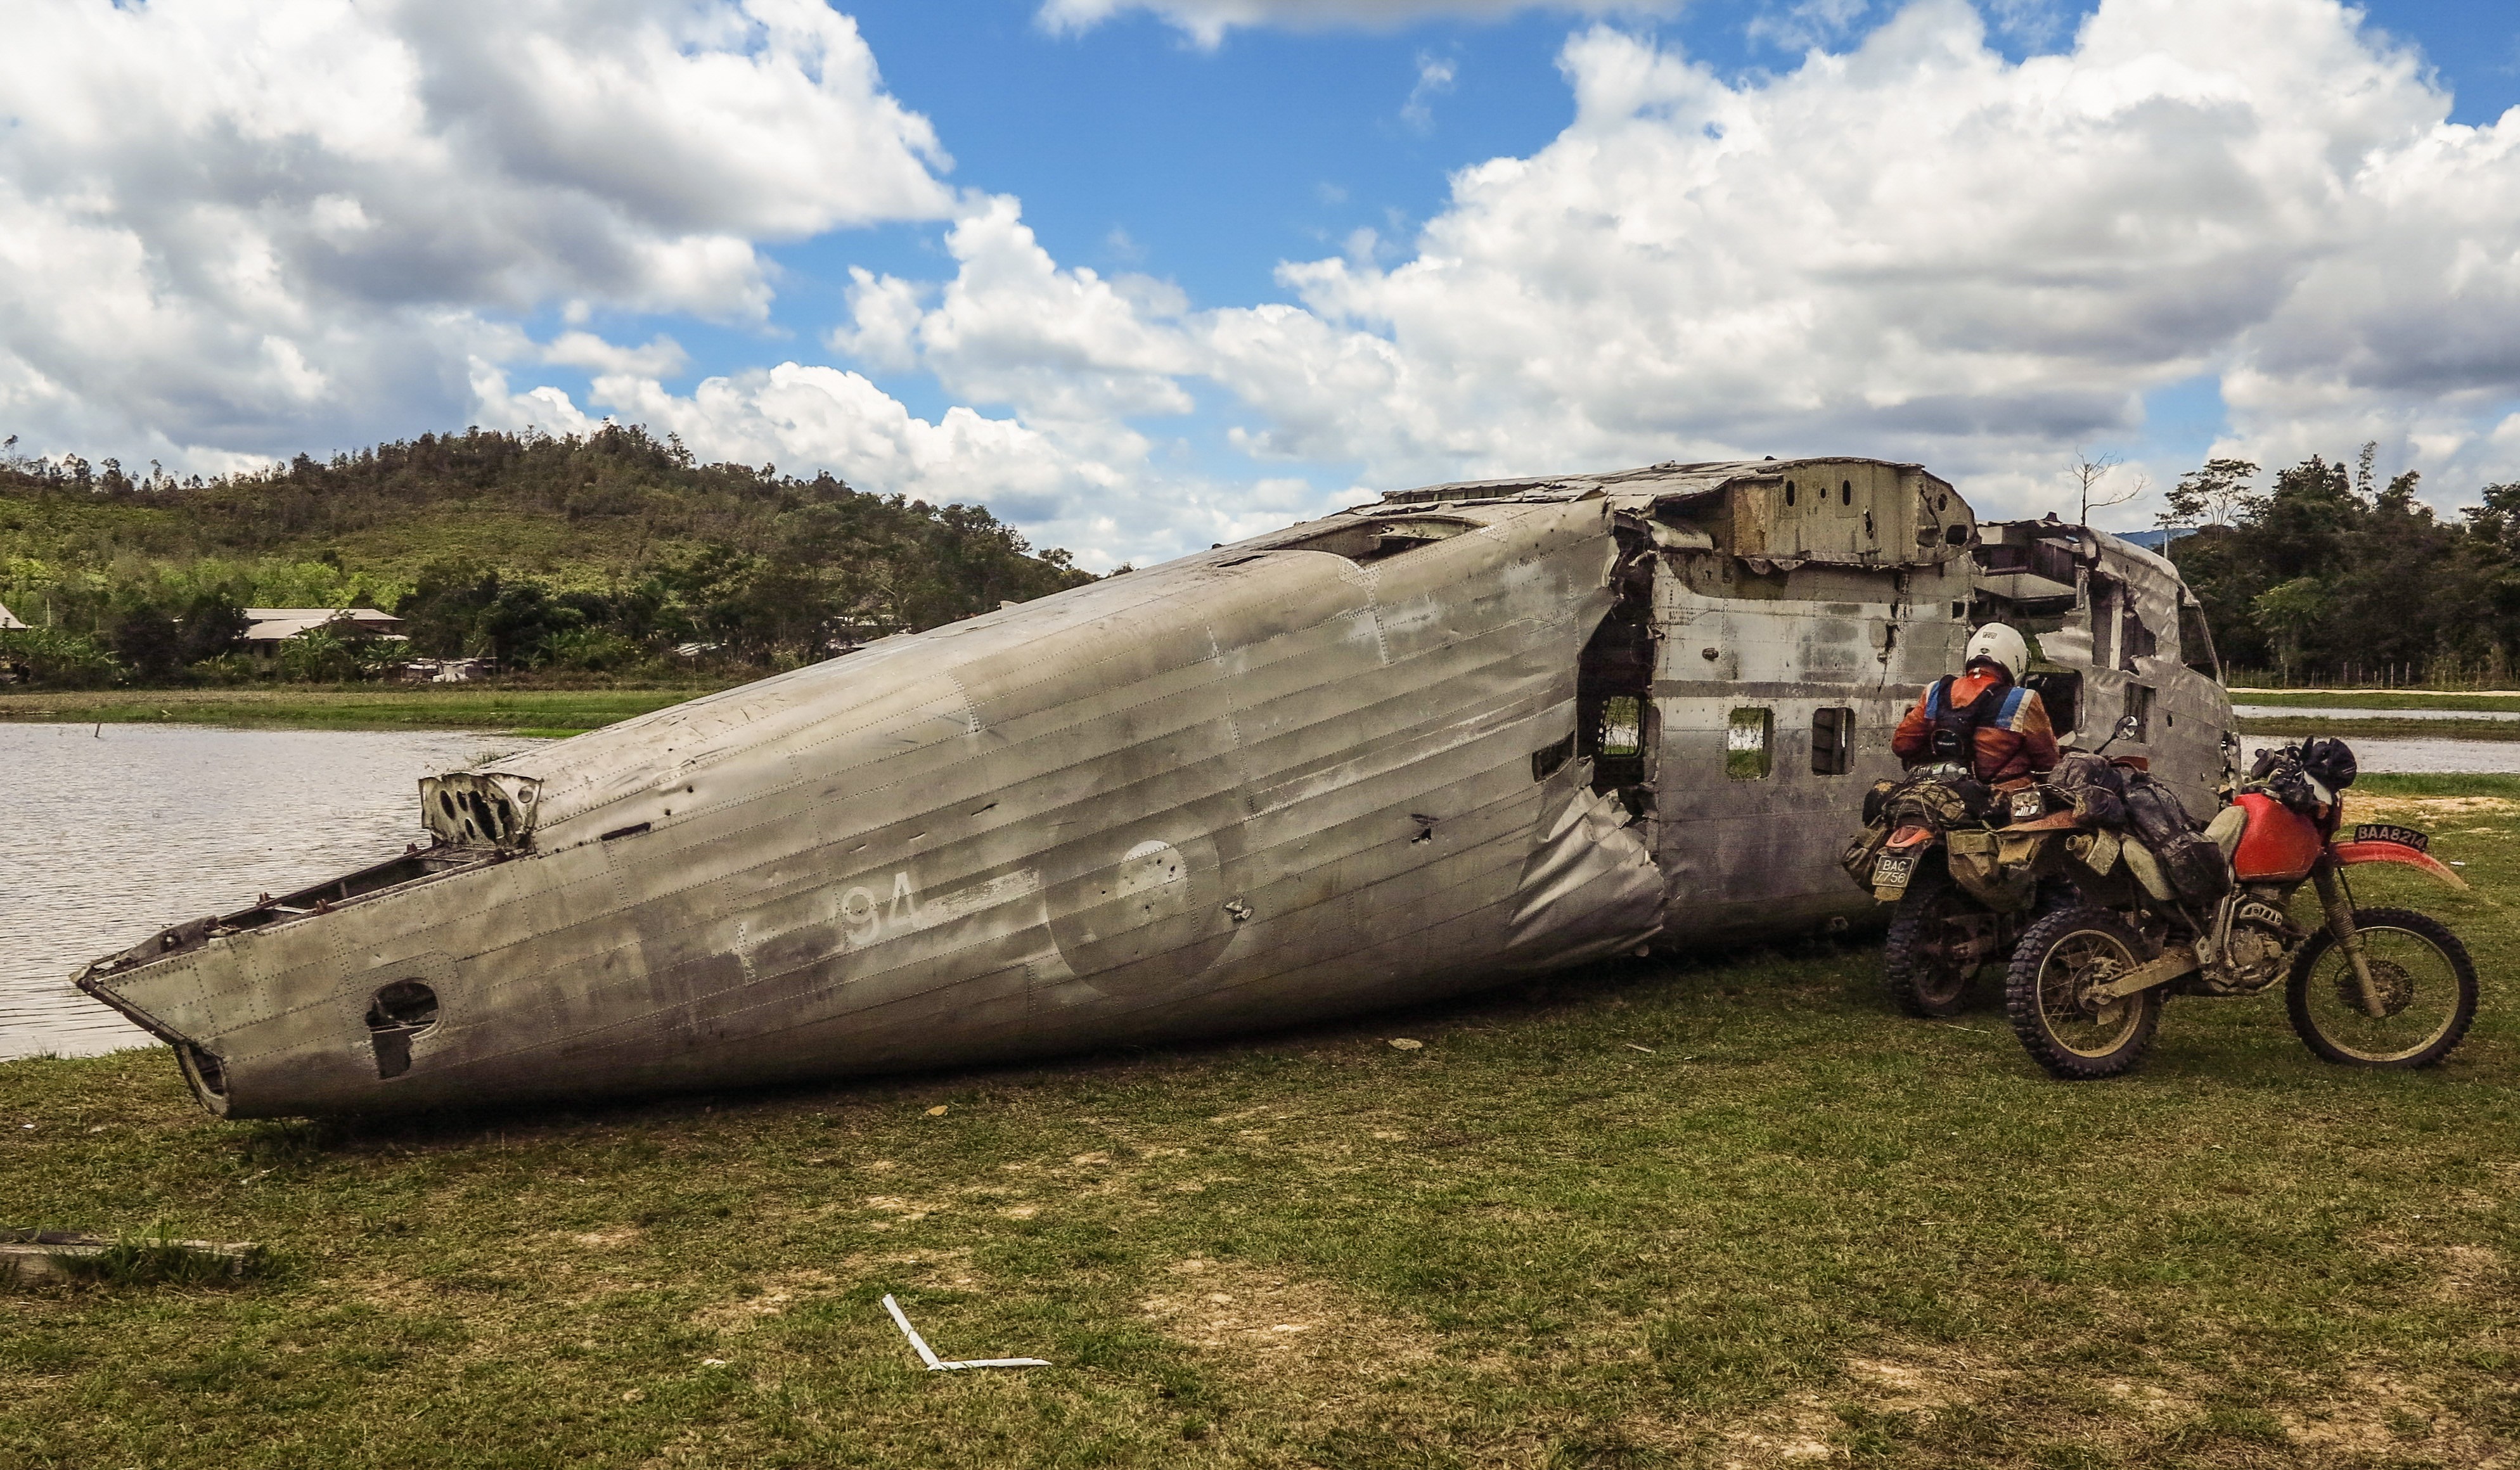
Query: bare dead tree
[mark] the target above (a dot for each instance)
(2089, 474)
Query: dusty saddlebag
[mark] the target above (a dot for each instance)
(1858, 858)
(2195, 868)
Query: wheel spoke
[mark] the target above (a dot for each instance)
(2417, 986)
(2071, 970)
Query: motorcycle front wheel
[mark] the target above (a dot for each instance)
(1928, 958)
(2055, 969)
(2425, 984)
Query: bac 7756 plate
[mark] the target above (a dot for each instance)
(2382, 831)
(1892, 871)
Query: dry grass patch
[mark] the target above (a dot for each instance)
(1274, 1325)
(2386, 1421)
(2427, 811)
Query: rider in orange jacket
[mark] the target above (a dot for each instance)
(1984, 712)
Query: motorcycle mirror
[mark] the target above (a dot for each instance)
(2126, 724)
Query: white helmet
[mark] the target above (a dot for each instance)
(2002, 645)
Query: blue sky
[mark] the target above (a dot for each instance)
(1135, 148)
(1211, 282)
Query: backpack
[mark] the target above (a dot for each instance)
(1951, 733)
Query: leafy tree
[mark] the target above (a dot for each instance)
(2214, 494)
(2290, 610)
(211, 624)
(147, 641)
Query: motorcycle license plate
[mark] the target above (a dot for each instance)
(1892, 871)
(2382, 831)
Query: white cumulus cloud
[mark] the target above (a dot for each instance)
(1914, 247)
(236, 224)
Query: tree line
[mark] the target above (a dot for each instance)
(610, 553)
(2328, 575)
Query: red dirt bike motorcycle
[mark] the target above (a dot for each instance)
(2369, 987)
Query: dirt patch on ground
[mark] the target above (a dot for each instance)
(2427, 811)
(774, 1296)
(1811, 1428)
(1274, 1327)
(2384, 1419)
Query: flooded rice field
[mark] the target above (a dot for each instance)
(115, 831)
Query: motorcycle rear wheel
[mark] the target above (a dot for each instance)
(1925, 977)
(2427, 987)
(2059, 960)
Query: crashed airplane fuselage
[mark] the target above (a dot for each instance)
(1467, 733)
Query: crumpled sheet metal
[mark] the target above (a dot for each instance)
(1590, 887)
(1179, 802)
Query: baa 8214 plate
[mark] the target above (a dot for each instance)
(2382, 831)
(1890, 870)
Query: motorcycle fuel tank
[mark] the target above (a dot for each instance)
(2278, 845)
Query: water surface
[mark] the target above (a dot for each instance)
(113, 832)
(2340, 712)
(2421, 753)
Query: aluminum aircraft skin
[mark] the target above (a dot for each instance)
(1465, 734)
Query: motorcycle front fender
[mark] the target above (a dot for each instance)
(2349, 853)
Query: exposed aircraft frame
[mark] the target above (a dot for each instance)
(1467, 733)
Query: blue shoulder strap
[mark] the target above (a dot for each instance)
(2011, 705)
(1934, 698)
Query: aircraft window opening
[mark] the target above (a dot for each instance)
(2134, 636)
(2138, 703)
(2196, 642)
(1622, 725)
(1614, 716)
(1747, 740)
(1955, 536)
(1832, 741)
(1549, 760)
(1790, 492)
(400, 1011)
(1846, 492)
(2062, 691)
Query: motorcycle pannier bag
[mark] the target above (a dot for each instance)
(1932, 802)
(2195, 868)
(2093, 786)
(1858, 858)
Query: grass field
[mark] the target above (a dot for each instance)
(510, 710)
(2377, 699)
(1723, 1212)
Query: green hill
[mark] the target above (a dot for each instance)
(600, 552)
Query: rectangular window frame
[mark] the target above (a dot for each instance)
(1750, 743)
(1832, 751)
